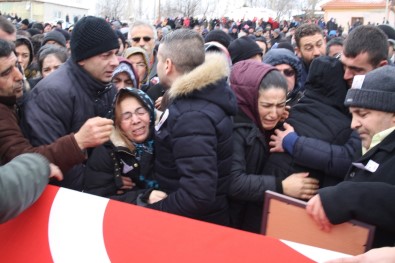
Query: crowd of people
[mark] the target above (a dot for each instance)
(199, 119)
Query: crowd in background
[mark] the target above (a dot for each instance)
(200, 117)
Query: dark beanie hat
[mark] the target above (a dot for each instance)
(33, 31)
(38, 26)
(120, 36)
(64, 33)
(375, 90)
(25, 22)
(92, 36)
(243, 48)
(287, 45)
(389, 31)
(218, 36)
(54, 36)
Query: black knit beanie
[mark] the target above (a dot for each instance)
(218, 36)
(54, 36)
(243, 48)
(92, 36)
(375, 90)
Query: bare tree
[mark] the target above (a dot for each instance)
(312, 4)
(253, 3)
(281, 7)
(113, 9)
(181, 7)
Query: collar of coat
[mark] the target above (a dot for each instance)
(116, 138)
(214, 68)
(9, 101)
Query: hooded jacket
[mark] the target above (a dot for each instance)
(320, 115)
(279, 56)
(194, 139)
(250, 149)
(60, 104)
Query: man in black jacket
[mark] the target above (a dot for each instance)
(80, 89)
(194, 135)
(372, 103)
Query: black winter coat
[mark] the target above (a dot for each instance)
(60, 104)
(248, 184)
(112, 160)
(194, 144)
(339, 208)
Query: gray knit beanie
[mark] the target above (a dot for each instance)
(92, 36)
(375, 90)
(54, 36)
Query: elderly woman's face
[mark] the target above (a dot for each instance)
(289, 74)
(271, 106)
(139, 65)
(135, 120)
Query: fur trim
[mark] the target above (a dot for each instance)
(116, 138)
(214, 68)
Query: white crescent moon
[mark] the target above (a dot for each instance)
(75, 229)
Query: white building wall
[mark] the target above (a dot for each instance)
(343, 17)
(54, 12)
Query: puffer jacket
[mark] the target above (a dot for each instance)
(194, 139)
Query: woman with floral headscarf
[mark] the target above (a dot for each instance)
(122, 168)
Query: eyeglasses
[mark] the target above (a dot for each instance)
(137, 39)
(288, 72)
(127, 116)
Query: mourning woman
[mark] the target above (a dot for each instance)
(261, 92)
(122, 168)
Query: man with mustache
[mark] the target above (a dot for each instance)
(80, 89)
(65, 151)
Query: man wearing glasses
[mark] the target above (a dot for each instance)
(143, 35)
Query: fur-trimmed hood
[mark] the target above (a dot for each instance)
(207, 81)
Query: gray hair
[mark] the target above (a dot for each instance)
(185, 48)
(142, 24)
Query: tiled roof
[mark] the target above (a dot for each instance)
(352, 4)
